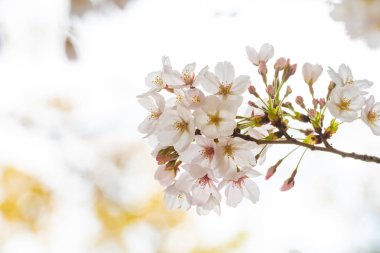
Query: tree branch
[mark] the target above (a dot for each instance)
(292, 141)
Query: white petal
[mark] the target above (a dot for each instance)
(234, 195)
(225, 72)
(195, 170)
(335, 77)
(266, 52)
(251, 190)
(241, 84)
(253, 56)
(345, 73)
(363, 84)
(201, 194)
(183, 141)
(210, 82)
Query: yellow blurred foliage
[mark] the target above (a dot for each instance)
(24, 199)
(230, 246)
(114, 217)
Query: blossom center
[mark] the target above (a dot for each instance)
(196, 99)
(180, 126)
(344, 104)
(224, 89)
(179, 99)
(229, 151)
(208, 153)
(240, 181)
(188, 78)
(203, 181)
(373, 116)
(154, 115)
(158, 80)
(214, 119)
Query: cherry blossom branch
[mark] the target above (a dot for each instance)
(291, 141)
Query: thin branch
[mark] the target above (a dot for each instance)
(292, 141)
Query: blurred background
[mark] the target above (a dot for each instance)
(76, 176)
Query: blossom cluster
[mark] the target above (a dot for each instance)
(361, 19)
(203, 146)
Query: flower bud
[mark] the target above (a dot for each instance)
(270, 90)
(315, 103)
(288, 184)
(252, 104)
(299, 101)
(280, 64)
(273, 169)
(252, 90)
(322, 102)
(312, 112)
(288, 91)
(289, 70)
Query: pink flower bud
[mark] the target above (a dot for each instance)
(322, 102)
(288, 91)
(299, 101)
(272, 169)
(312, 112)
(289, 70)
(315, 103)
(252, 90)
(288, 184)
(270, 90)
(280, 64)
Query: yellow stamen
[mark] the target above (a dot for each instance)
(373, 116)
(196, 99)
(229, 151)
(154, 115)
(344, 104)
(180, 126)
(188, 78)
(214, 119)
(158, 80)
(224, 89)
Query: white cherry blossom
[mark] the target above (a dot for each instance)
(344, 77)
(264, 55)
(224, 84)
(154, 80)
(175, 79)
(164, 175)
(176, 199)
(241, 185)
(345, 103)
(201, 153)
(176, 128)
(311, 72)
(205, 194)
(232, 153)
(371, 115)
(216, 118)
(361, 19)
(194, 98)
(155, 105)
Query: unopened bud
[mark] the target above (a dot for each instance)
(315, 103)
(312, 112)
(299, 101)
(288, 105)
(280, 64)
(322, 102)
(330, 88)
(270, 90)
(289, 70)
(252, 90)
(288, 91)
(272, 169)
(288, 184)
(252, 104)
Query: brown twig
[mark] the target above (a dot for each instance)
(292, 141)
